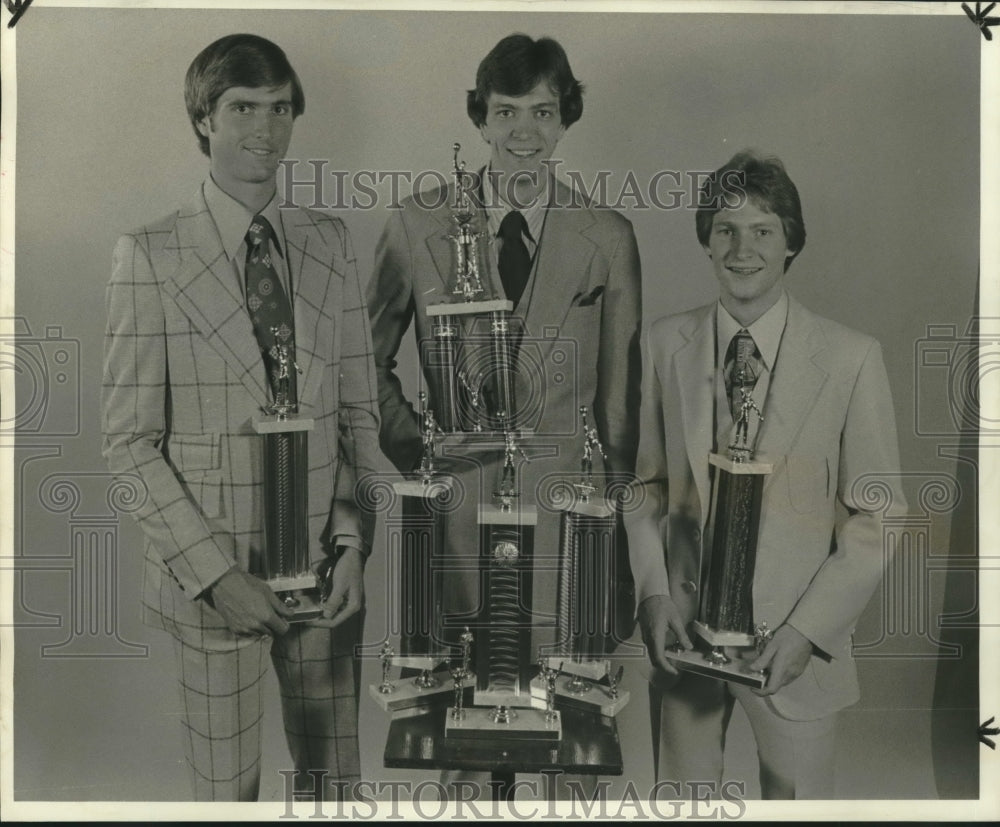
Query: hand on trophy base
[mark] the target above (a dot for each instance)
(724, 663)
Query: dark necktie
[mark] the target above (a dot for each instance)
(741, 369)
(270, 311)
(514, 261)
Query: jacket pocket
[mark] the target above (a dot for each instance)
(205, 488)
(808, 482)
(196, 452)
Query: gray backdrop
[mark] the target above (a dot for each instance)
(877, 120)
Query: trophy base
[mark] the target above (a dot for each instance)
(427, 662)
(702, 662)
(464, 308)
(409, 698)
(717, 637)
(595, 697)
(594, 670)
(301, 595)
(520, 724)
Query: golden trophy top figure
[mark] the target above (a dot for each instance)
(507, 492)
(430, 432)
(284, 405)
(465, 238)
(739, 449)
(591, 442)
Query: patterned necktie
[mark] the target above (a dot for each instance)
(270, 311)
(742, 368)
(514, 261)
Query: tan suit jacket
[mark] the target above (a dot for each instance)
(829, 428)
(183, 380)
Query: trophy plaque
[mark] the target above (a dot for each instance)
(285, 564)
(725, 613)
(584, 610)
(458, 391)
(419, 545)
(505, 707)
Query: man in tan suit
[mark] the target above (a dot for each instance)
(186, 371)
(576, 310)
(829, 429)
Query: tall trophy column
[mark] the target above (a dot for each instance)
(585, 624)
(725, 615)
(286, 499)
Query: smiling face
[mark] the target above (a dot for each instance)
(248, 134)
(522, 133)
(748, 249)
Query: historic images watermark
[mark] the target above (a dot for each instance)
(464, 800)
(367, 189)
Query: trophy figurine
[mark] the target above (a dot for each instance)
(468, 281)
(725, 612)
(385, 656)
(584, 603)
(458, 675)
(429, 432)
(549, 677)
(285, 562)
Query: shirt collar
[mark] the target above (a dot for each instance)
(766, 331)
(497, 209)
(232, 219)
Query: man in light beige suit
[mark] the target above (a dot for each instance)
(829, 429)
(185, 374)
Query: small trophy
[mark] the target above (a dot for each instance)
(430, 432)
(584, 603)
(725, 613)
(418, 545)
(286, 565)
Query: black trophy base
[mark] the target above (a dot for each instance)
(721, 663)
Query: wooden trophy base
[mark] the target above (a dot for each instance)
(408, 697)
(517, 724)
(580, 693)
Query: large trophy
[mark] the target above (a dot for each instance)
(460, 393)
(419, 546)
(286, 500)
(505, 707)
(584, 608)
(725, 615)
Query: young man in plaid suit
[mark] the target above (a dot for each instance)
(196, 303)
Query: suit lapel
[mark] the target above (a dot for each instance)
(563, 265)
(799, 375)
(205, 289)
(694, 364)
(312, 278)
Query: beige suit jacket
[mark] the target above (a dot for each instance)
(184, 379)
(829, 429)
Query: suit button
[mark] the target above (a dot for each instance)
(696, 535)
(689, 586)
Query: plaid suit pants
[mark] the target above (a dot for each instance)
(319, 681)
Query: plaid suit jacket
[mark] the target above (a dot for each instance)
(184, 379)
